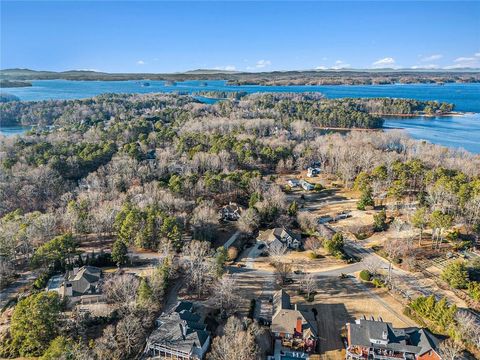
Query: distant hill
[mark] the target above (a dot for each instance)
(210, 71)
(284, 78)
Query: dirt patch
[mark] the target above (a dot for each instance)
(300, 260)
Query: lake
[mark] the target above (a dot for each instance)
(13, 130)
(449, 131)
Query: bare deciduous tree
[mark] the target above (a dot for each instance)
(308, 284)
(197, 264)
(129, 334)
(225, 294)
(237, 342)
(121, 290)
(450, 350)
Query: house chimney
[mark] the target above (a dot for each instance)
(298, 328)
(182, 330)
(295, 307)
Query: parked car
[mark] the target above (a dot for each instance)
(288, 281)
(263, 321)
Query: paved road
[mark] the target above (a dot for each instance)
(12, 290)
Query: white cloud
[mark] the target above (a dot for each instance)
(263, 64)
(340, 64)
(426, 66)
(388, 61)
(321, 67)
(226, 68)
(466, 62)
(431, 58)
(140, 62)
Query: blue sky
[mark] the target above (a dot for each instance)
(156, 36)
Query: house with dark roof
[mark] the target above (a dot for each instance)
(279, 238)
(292, 325)
(77, 282)
(180, 334)
(230, 212)
(376, 339)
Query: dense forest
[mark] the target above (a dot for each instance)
(143, 170)
(310, 107)
(308, 77)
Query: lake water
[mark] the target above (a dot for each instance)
(449, 131)
(13, 130)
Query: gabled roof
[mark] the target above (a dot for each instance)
(181, 329)
(412, 340)
(84, 281)
(184, 305)
(423, 339)
(284, 319)
(281, 300)
(279, 233)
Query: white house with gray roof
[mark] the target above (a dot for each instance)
(376, 339)
(77, 282)
(279, 238)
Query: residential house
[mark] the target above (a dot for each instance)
(278, 238)
(180, 334)
(306, 185)
(291, 325)
(231, 212)
(313, 171)
(77, 282)
(376, 339)
(293, 183)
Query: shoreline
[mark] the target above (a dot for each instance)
(449, 114)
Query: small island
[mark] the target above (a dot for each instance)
(14, 83)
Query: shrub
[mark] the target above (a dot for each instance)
(335, 245)
(439, 312)
(318, 187)
(365, 275)
(312, 255)
(474, 290)
(380, 221)
(378, 283)
(455, 274)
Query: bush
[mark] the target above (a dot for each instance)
(439, 312)
(365, 275)
(335, 245)
(42, 280)
(474, 290)
(378, 283)
(455, 274)
(380, 221)
(318, 187)
(312, 255)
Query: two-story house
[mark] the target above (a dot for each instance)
(279, 238)
(292, 325)
(376, 339)
(180, 334)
